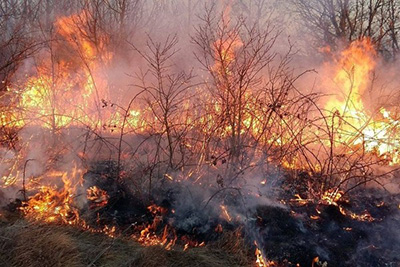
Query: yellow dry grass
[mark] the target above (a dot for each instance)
(29, 244)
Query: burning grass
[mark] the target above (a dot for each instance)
(31, 244)
(177, 233)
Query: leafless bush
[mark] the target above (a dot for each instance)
(253, 106)
(334, 154)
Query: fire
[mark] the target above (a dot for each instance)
(152, 235)
(62, 95)
(218, 228)
(67, 27)
(70, 92)
(148, 237)
(260, 260)
(354, 68)
(149, 234)
(375, 132)
(67, 92)
(300, 201)
(97, 196)
(49, 205)
(190, 243)
(74, 93)
(157, 210)
(225, 213)
(331, 197)
(364, 217)
(54, 205)
(55, 104)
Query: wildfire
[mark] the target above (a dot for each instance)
(63, 94)
(49, 205)
(190, 243)
(53, 205)
(149, 234)
(72, 93)
(98, 196)
(364, 217)
(356, 125)
(260, 260)
(148, 237)
(331, 197)
(152, 235)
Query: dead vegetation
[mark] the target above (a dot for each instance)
(28, 244)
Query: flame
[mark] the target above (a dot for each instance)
(97, 196)
(354, 67)
(54, 205)
(301, 201)
(364, 217)
(190, 243)
(331, 197)
(151, 235)
(225, 213)
(73, 90)
(67, 92)
(377, 133)
(148, 235)
(63, 94)
(218, 228)
(260, 260)
(50, 205)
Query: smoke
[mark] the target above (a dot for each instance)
(201, 203)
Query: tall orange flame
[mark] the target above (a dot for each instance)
(355, 124)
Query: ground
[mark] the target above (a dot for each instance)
(30, 244)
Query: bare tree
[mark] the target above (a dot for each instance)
(250, 86)
(234, 55)
(334, 21)
(17, 41)
(166, 92)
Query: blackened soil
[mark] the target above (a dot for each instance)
(291, 236)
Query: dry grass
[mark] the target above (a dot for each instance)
(27, 244)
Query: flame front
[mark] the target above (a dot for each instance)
(376, 131)
(54, 205)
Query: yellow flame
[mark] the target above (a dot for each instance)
(356, 125)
